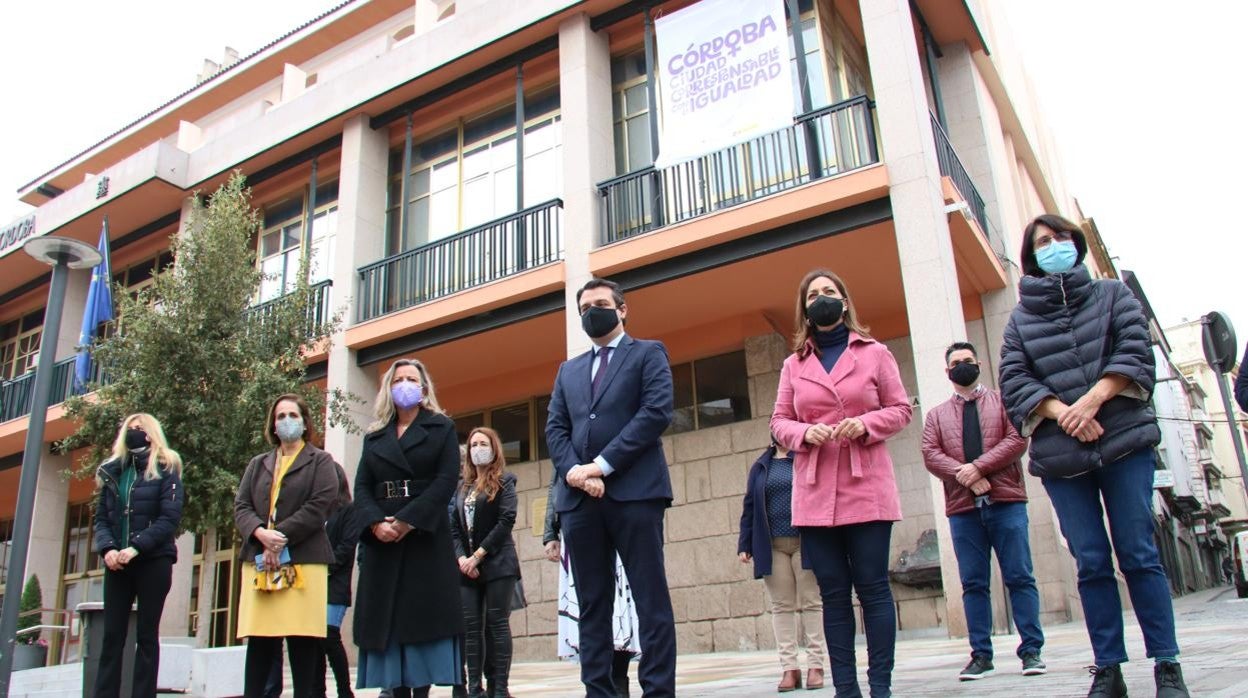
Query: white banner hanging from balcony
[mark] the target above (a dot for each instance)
(724, 76)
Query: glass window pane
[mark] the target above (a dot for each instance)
(639, 154)
(467, 423)
(443, 214)
(417, 224)
(292, 235)
(478, 201)
(621, 152)
(445, 176)
(682, 392)
(419, 183)
(635, 99)
(476, 162)
(513, 425)
(723, 390)
(270, 243)
(541, 408)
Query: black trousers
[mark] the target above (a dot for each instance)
(487, 621)
(146, 581)
(261, 653)
(594, 531)
(333, 651)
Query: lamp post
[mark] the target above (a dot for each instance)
(62, 254)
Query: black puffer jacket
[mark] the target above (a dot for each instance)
(155, 511)
(1066, 333)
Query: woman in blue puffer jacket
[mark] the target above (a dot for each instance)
(1077, 376)
(137, 516)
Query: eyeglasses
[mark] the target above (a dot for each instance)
(1044, 239)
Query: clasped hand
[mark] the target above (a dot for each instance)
(1077, 420)
(468, 566)
(587, 477)
(115, 560)
(391, 530)
(849, 428)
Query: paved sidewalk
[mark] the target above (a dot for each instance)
(1212, 636)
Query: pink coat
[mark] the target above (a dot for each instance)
(842, 482)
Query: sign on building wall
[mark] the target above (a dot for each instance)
(724, 77)
(1163, 479)
(14, 234)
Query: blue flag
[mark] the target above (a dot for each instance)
(99, 310)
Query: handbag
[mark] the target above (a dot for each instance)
(517, 596)
(286, 576)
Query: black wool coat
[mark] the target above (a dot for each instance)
(344, 535)
(491, 531)
(408, 591)
(1067, 332)
(155, 511)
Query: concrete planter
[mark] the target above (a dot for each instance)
(29, 657)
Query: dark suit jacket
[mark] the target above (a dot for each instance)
(492, 523)
(624, 423)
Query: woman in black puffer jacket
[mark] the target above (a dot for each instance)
(1077, 375)
(136, 519)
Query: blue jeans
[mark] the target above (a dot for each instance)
(857, 556)
(976, 534)
(1126, 487)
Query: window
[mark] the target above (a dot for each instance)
(710, 392)
(221, 610)
(140, 275)
(82, 572)
(281, 250)
(19, 344)
(466, 176)
(521, 427)
(6, 540)
(630, 110)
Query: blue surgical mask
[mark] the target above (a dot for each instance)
(289, 429)
(1057, 257)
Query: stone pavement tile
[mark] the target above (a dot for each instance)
(1211, 629)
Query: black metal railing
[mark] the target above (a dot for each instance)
(319, 309)
(827, 141)
(17, 394)
(951, 166)
(523, 240)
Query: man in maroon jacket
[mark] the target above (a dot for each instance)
(969, 443)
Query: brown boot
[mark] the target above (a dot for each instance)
(814, 679)
(790, 680)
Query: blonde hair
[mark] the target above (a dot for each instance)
(161, 454)
(383, 407)
(492, 478)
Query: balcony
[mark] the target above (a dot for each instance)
(319, 310)
(836, 139)
(521, 241)
(951, 166)
(16, 395)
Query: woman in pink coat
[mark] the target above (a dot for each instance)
(840, 398)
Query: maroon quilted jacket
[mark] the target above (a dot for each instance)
(1003, 447)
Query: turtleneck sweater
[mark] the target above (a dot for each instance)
(831, 345)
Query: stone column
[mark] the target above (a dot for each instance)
(928, 271)
(584, 90)
(47, 529)
(361, 235)
(361, 232)
(175, 620)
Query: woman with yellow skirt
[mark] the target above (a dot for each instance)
(283, 501)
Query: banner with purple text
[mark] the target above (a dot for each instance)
(723, 70)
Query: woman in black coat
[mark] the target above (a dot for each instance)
(344, 535)
(1077, 376)
(137, 514)
(408, 616)
(485, 513)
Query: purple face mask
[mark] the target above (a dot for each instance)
(406, 394)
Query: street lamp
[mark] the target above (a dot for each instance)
(62, 254)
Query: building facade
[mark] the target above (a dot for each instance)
(455, 170)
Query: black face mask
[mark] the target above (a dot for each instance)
(825, 311)
(964, 374)
(598, 322)
(136, 439)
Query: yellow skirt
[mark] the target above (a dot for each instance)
(300, 612)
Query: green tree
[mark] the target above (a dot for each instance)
(193, 351)
(32, 600)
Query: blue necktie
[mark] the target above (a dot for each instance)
(603, 353)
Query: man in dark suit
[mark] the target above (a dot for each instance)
(608, 410)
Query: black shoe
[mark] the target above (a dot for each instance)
(1107, 682)
(1033, 665)
(979, 667)
(1169, 678)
